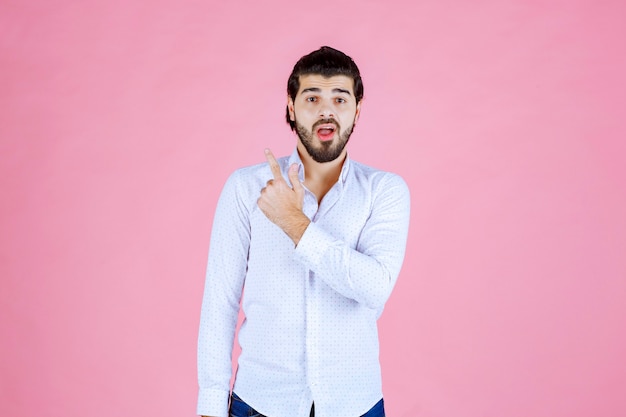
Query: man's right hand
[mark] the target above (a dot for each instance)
(281, 203)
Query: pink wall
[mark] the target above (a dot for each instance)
(120, 121)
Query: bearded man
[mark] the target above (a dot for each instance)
(317, 241)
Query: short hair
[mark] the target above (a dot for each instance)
(327, 62)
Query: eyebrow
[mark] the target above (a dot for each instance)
(319, 90)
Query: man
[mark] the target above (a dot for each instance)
(317, 240)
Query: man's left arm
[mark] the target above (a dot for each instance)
(367, 273)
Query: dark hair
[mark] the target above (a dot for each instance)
(327, 62)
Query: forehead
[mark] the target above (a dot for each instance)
(342, 82)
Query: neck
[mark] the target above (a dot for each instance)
(320, 177)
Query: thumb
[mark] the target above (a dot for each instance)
(295, 180)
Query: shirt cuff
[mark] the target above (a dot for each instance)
(312, 246)
(212, 402)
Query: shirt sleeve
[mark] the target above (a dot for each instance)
(225, 274)
(368, 272)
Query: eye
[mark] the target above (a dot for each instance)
(341, 100)
(311, 99)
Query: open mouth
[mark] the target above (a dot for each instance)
(326, 131)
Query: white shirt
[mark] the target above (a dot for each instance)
(310, 330)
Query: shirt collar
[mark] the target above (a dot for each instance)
(295, 159)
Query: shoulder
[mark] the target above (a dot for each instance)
(250, 179)
(378, 179)
(252, 173)
(389, 194)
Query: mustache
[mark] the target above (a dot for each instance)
(325, 122)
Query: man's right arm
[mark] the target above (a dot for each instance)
(226, 269)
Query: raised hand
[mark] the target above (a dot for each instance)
(281, 203)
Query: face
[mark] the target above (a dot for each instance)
(325, 111)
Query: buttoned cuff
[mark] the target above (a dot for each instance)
(312, 246)
(213, 402)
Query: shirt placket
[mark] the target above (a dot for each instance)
(314, 326)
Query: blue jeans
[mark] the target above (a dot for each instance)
(238, 408)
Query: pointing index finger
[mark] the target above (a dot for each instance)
(273, 164)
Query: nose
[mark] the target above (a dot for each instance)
(326, 111)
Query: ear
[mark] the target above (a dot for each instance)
(292, 114)
(358, 111)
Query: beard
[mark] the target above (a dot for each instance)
(323, 151)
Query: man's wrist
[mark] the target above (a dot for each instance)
(296, 226)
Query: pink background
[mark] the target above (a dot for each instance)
(120, 121)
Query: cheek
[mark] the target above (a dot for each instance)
(304, 116)
(349, 119)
